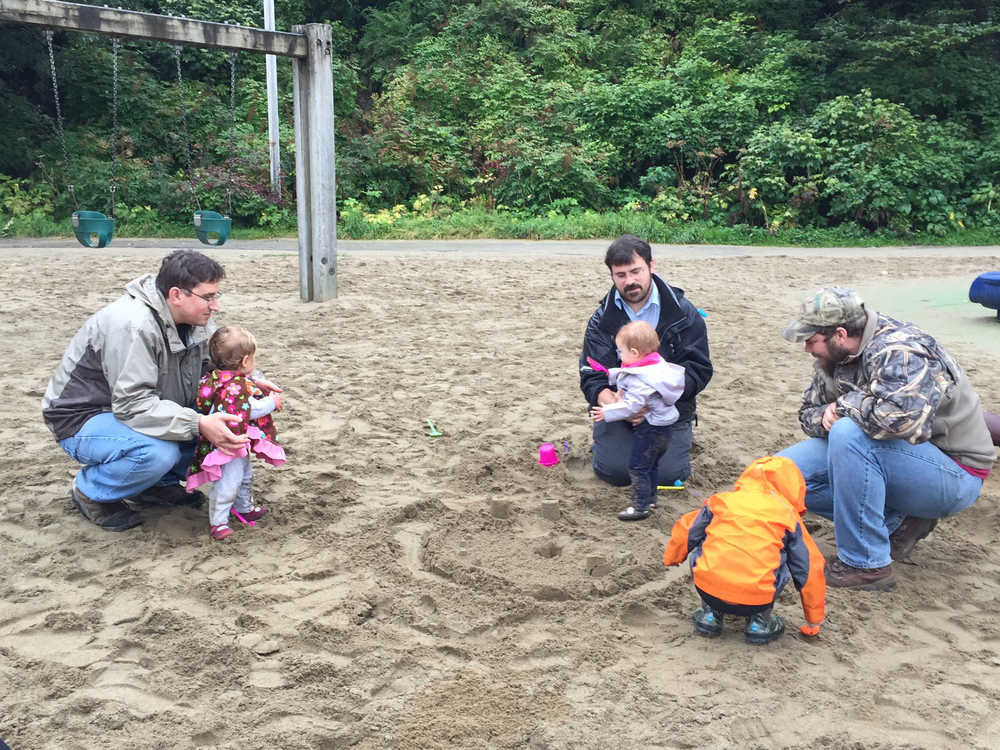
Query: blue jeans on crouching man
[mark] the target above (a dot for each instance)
(613, 448)
(649, 444)
(119, 462)
(867, 487)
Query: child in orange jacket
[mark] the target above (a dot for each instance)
(745, 545)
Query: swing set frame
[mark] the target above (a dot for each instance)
(311, 48)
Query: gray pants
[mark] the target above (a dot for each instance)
(230, 490)
(613, 444)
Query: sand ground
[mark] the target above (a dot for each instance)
(418, 592)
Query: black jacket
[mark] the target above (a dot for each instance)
(683, 341)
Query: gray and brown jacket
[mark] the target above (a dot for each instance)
(902, 385)
(130, 359)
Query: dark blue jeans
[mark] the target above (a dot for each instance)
(613, 445)
(649, 443)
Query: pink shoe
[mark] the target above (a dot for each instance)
(254, 513)
(220, 532)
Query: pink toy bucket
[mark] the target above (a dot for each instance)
(547, 455)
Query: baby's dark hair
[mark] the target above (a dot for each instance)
(229, 345)
(639, 335)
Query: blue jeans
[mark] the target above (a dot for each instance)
(613, 445)
(649, 443)
(119, 462)
(867, 487)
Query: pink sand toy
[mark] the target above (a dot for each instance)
(547, 455)
(244, 521)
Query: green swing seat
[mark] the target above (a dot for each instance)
(212, 228)
(92, 228)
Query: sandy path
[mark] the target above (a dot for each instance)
(412, 592)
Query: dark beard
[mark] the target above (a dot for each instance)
(837, 355)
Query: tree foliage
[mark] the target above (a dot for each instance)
(770, 113)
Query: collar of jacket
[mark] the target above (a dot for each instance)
(143, 289)
(866, 335)
(671, 313)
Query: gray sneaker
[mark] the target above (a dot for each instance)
(707, 621)
(763, 627)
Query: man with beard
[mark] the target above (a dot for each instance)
(897, 435)
(639, 294)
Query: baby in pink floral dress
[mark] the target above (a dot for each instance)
(229, 388)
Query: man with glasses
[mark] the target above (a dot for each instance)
(121, 401)
(897, 437)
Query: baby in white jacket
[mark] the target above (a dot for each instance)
(648, 386)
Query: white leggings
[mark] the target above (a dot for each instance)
(232, 489)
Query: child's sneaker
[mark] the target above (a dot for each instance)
(255, 512)
(707, 621)
(763, 627)
(632, 513)
(220, 532)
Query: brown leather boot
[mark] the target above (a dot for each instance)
(113, 516)
(843, 576)
(909, 532)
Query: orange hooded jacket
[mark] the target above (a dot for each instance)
(746, 544)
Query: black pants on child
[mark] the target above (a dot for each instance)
(740, 610)
(649, 443)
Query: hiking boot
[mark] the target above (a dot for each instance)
(632, 513)
(908, 533)
(763, 627)
(707, 621)
(113, 516)
(843, 576)
(170, 494)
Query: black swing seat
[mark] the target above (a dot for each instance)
(212, 228)
(92, 228)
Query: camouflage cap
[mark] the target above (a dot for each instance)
(830, 306)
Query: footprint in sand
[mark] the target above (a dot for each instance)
(126, 682)
(266, 674)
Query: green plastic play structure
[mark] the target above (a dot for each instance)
(92, 228)
(211, 227)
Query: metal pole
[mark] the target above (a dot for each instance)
(271, 66)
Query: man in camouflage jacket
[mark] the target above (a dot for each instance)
(897, 437)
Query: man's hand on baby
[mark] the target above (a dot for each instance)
(214, 429)
(267, 386)
(279, 401)
(597, 413)
(640, 415)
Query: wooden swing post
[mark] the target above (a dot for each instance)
(310, 45)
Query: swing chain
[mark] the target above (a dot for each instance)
(187, 142)
(59, 117)
(114, 122)
(232, 127)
